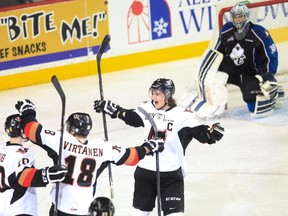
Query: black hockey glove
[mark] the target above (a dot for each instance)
(54, 174)
(107, 107)
(154, 145)
(25, 107)
(215, 133)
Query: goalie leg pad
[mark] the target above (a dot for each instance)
(209, 64)
(280, 98)
(215, 98)
(211, 89)
(264, 106)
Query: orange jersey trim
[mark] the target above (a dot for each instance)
(30, 130)
(133, 158)
(26, 177)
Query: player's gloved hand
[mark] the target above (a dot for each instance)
(107, 107)
(25, 107)
(55, 173)
(154, 145)
(215, 133)
(268, 85)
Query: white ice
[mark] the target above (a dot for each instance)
(245, 174)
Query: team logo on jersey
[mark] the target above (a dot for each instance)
(273, 48)
(22, 150)
(237, 55)
(160, 116)
(148, 20)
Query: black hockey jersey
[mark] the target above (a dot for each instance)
(255, 54)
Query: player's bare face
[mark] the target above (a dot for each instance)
(158, 98)
(238, 20)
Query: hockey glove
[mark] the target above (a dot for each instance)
(154, 145)
(215, 133)
(107, 107)
(25, 107)
(269, 87)
(55, 173)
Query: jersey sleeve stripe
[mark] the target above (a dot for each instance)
(26, 177)
(133, 158)
(30, 130)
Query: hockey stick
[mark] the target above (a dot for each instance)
(61, 93)
(153, 124)
(101, 50)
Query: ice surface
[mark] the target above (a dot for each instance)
(245, 174)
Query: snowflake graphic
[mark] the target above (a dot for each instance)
(160, 27)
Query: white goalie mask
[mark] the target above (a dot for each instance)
(240, 10)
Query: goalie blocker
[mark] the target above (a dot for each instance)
(212, 95)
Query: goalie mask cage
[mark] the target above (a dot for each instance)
(272, 15)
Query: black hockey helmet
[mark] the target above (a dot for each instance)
(12, 126)
(165, 85)
(101, 206)
(79, 124)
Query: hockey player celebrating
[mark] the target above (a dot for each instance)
(85, 159)
(245, 56)
(177, 127)
(19, 177)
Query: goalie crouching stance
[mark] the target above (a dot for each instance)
(246, 56)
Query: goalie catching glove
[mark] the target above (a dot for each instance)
(54, 174)
(25, 107)
(108, 107)
(215, 133)
(154, 145)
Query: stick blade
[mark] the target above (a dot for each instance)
(58, 87)
(103, 45)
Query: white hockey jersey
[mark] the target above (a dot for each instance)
(169, 123)
(14, 158)
(83, 161)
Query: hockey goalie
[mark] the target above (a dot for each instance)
(245, 56)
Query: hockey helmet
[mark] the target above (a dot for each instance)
(12, 126)
(79, 123)
(240, 9)
(165, 85)
(101, 206)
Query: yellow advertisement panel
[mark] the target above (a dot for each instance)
(51, 32)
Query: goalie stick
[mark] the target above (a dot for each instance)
(101, 50)
(61, 93)
(153, 124)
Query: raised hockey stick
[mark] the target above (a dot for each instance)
(154, 126)
(101, 50)
(61, 93)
